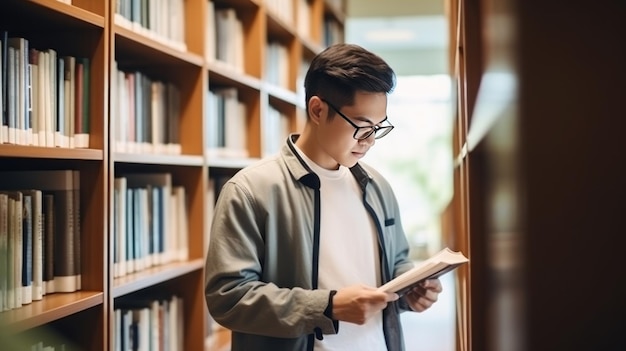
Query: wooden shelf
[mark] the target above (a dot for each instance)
(51, 308)
(7, 150)
(132, 45)
(149, 277)
(58, 12)
(156, 159)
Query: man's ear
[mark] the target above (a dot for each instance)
(316, 109)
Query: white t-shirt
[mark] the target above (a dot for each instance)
(348, 255)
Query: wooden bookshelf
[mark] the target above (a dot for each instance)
(538, 191)
(78, 30)
(97, 30)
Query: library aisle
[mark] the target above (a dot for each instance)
(433, 330)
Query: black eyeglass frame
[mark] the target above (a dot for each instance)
(372, 129)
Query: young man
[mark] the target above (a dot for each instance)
(299, 241)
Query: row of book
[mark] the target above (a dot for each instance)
(300, 18)
(333, 32)
(148, 324)
(277, 64)
(225, 37)
(224, 43)
(39, 235)
(226, 126)
(150, 222)
(160, 20)
(276, 130)
(281, 9)
(44, 95)
(146, 114)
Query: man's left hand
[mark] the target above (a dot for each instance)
(423, 295)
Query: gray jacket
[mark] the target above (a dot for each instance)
(263, 283)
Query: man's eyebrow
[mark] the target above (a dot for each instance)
(369, 120)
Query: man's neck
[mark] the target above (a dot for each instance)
(309, 146)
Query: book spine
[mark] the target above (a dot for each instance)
(4, 130)
(4, 254)
(27, 249)
(11, 95)
(65, 272)
(77, 227)
(37, 244)
(60, 103)
(18, 248)
(48, 243)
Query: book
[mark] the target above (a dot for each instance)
(48, 214)
(36, 240)
(65, 186)
(163, 237)
(13, 268)
(435, 266)
(34, 95)
(27, 249)
(119, 215)
(81, 103)
(4, 255)
(20, 109)
(4, 88)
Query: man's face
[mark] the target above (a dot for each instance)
(335, 137)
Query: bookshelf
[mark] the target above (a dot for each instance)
(537, 189)
(148, 113)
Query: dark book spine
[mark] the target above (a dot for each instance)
(65, 271)
(60, 96)
(4, 37)
(27, 248)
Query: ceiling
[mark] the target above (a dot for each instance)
(411, 35)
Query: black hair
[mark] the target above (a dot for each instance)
(341, 70)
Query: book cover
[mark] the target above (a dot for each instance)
(440, 263)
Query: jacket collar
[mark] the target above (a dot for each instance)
(303, 173)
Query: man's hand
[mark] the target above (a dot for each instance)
(356, 304)
(423, 295)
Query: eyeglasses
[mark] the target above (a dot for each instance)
(362, 133)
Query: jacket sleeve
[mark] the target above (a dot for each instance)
(236, 296)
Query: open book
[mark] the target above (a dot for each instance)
(435, 266)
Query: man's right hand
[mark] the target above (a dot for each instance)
(357, 303)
